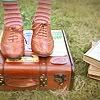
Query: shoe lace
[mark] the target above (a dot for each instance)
(13, 37)
(42, 30)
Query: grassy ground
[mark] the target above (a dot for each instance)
(81, 20)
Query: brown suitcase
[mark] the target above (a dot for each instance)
(33, 72)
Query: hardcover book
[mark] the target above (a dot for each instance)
(94, 72)
(92, 56)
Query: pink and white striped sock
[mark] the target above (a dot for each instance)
(43, 12)
(12, 16)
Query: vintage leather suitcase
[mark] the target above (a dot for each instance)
(33, 72)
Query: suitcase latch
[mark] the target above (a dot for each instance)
(43, 80)
(60, 78)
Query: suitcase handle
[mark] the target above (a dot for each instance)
(21, 83)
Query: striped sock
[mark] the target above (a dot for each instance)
(43, 12)
(12, 16)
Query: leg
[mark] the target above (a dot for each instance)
(12, 15)
(12, 43)
(43, 12)
(42, 41)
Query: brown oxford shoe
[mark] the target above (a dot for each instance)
(42, 41)
(12, 43)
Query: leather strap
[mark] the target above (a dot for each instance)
(43, 72)
(43, 66)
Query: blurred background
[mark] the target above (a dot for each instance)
(81, 21)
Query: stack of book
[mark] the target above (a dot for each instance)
(92, 56)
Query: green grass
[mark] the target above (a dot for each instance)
(81, 20)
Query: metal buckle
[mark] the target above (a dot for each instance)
(43, 80)
(1, 80)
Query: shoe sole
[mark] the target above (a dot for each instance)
(11, 58)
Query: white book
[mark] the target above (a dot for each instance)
(94, 72)
(92, 56)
